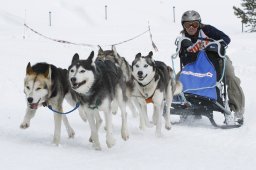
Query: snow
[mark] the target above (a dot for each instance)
(194, 146)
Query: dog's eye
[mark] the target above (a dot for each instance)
(146, 65)
(137, 66)
(28, 87)
(82, 71)
(38, 88)
(72, 71)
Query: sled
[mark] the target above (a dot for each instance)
(204, 85)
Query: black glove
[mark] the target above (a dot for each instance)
(185, 43)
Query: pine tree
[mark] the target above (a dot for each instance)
(248, 15)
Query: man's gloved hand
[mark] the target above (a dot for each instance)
(195, 47)
(185, 43)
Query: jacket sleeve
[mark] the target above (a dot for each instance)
(215, 34)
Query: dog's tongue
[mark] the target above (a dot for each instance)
(34, 106)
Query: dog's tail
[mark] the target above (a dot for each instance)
(176, 84)
(178, 88)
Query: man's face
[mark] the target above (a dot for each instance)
(191, 27)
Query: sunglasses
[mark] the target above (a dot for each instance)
(194, 24)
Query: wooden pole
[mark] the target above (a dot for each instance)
(106, 12)
(173, 9)
(50, 18)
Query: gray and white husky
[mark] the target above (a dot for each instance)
(113, 56)
(154, 83)
(45, 84)
(95, 85)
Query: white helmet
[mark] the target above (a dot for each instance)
(190, 15)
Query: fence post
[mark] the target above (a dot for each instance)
(50, 18)
(173, 8)
(106, 13)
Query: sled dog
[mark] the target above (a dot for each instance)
(95, 85)
(155, 84)
(113, 56)
(45, 84)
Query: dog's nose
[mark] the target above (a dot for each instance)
(140, 73)
(73, 79)
(30, 99)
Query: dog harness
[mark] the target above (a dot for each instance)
(149, 100)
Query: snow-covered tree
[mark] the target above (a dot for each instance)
(248, 14)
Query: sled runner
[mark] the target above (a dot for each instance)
(204, 84)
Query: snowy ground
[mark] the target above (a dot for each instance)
(196, 146)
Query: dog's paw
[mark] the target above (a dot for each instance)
(110, 141)
(56, 141)
(90, 139)
(168, 126)
(24, 125)
(125, 135)
(71, 133)
(96, 146)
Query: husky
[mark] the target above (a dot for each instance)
(154, 83)
(45, 84)
(96, 85)
(113, 56)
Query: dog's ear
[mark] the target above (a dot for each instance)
(100, 50)
(138, 55)
(29, 69)
(150, 54)
(48, 73)
(91, 57)
(75, 58)
(114, 51)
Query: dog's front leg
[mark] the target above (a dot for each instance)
(30, 113)
(70, 130)
(138, 105)
(157, 111)
(82, 114)
(142, 107)
(94, 132)
(109, 136)
(98, 120)
(57, 127)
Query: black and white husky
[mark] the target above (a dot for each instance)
(95, 85)
(126, 68)
(154, 83)
(46, 84)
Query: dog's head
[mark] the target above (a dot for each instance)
(37, 83)
(81, 74)
(143, 68)
(111, 55)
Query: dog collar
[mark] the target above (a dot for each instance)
(142, 85)
(97, 103)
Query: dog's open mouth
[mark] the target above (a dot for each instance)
(141, 78)
(77, 85)
(34, 105)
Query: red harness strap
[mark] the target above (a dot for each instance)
(149, 100)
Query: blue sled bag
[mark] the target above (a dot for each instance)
(200, 77)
